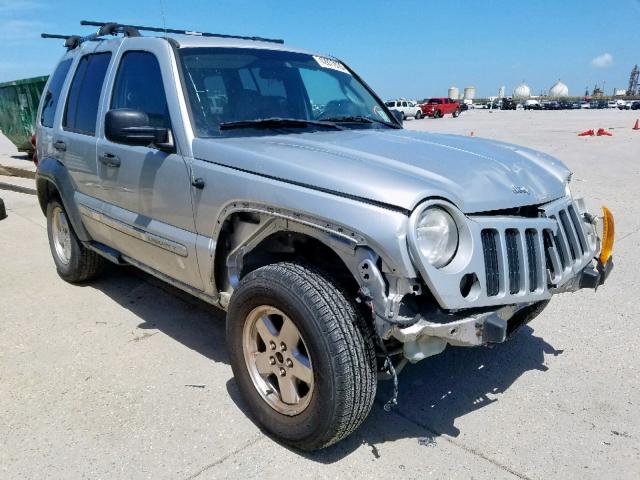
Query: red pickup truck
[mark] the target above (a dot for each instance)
(438, 107)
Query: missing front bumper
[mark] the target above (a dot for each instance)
(426, 338)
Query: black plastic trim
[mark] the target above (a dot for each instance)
(51, 170)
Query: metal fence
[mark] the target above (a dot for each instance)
(18, 107)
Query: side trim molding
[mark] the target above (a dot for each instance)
(136, 232)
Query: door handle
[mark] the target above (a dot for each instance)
(197, 182)
(110, 160)
(60, 146)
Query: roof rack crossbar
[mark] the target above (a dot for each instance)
(139, 28)
(71, 41)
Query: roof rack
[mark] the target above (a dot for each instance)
(73, 41)
(70, 41)
(114, 28)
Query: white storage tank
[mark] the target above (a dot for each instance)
(522, 91)
(454, 92)
(559, 89)
(469, 93)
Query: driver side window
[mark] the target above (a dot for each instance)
(139, 86)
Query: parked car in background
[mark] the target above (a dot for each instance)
(532, 105)
(635, 105)
(584, 105)
(565, 105)
(612, 104)
(507, 104)
(439, 107)
(623, 105)
(406, 107)
(552, 105)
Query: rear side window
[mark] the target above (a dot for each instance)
(139, 86)
(53, 93)
(81, 111)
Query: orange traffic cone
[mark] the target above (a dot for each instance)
(636, 126)
(586, 133)
(602, 132)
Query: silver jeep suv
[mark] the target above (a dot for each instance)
(274, 184)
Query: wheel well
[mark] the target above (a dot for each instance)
(47, 191)
(282, 245)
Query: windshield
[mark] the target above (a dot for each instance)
(435, 100)
(230, 85)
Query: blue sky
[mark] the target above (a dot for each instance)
(402, 48)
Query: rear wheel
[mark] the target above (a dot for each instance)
(302, 356)
(74, 262)
(437, 114)
(418, 115)
(456, 113)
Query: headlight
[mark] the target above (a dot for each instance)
(437, 236)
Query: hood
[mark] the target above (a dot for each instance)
(399, 168)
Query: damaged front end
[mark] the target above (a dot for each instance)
(503, 275)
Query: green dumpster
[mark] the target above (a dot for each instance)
(18, 107)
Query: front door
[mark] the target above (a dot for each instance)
(146, 191)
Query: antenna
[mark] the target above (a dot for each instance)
(164, 20)
(122, 28)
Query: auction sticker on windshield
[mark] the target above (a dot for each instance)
(325, 62)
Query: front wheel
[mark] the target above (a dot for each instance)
(456, 113)
(302, 355)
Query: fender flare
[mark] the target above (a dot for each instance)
(52, 172)
(359, 254)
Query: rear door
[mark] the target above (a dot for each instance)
(146, 191)
(75, 139)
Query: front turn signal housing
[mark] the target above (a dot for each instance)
(608, 234)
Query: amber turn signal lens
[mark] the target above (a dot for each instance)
(608, 233)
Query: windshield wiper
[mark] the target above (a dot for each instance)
(276, 122)
(359, 119)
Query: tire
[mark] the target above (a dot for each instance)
(418, 115)
(404, 116)
(456, 113)
(437, 114)
(338, 344)
(74, 262)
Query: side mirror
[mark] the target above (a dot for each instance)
(398, 115)
(131, 127)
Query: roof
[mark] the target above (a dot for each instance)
(188, 41)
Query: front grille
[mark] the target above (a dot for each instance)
(532, 258)
(491, 261)
(515, 257)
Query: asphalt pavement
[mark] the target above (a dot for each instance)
(128, 377)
